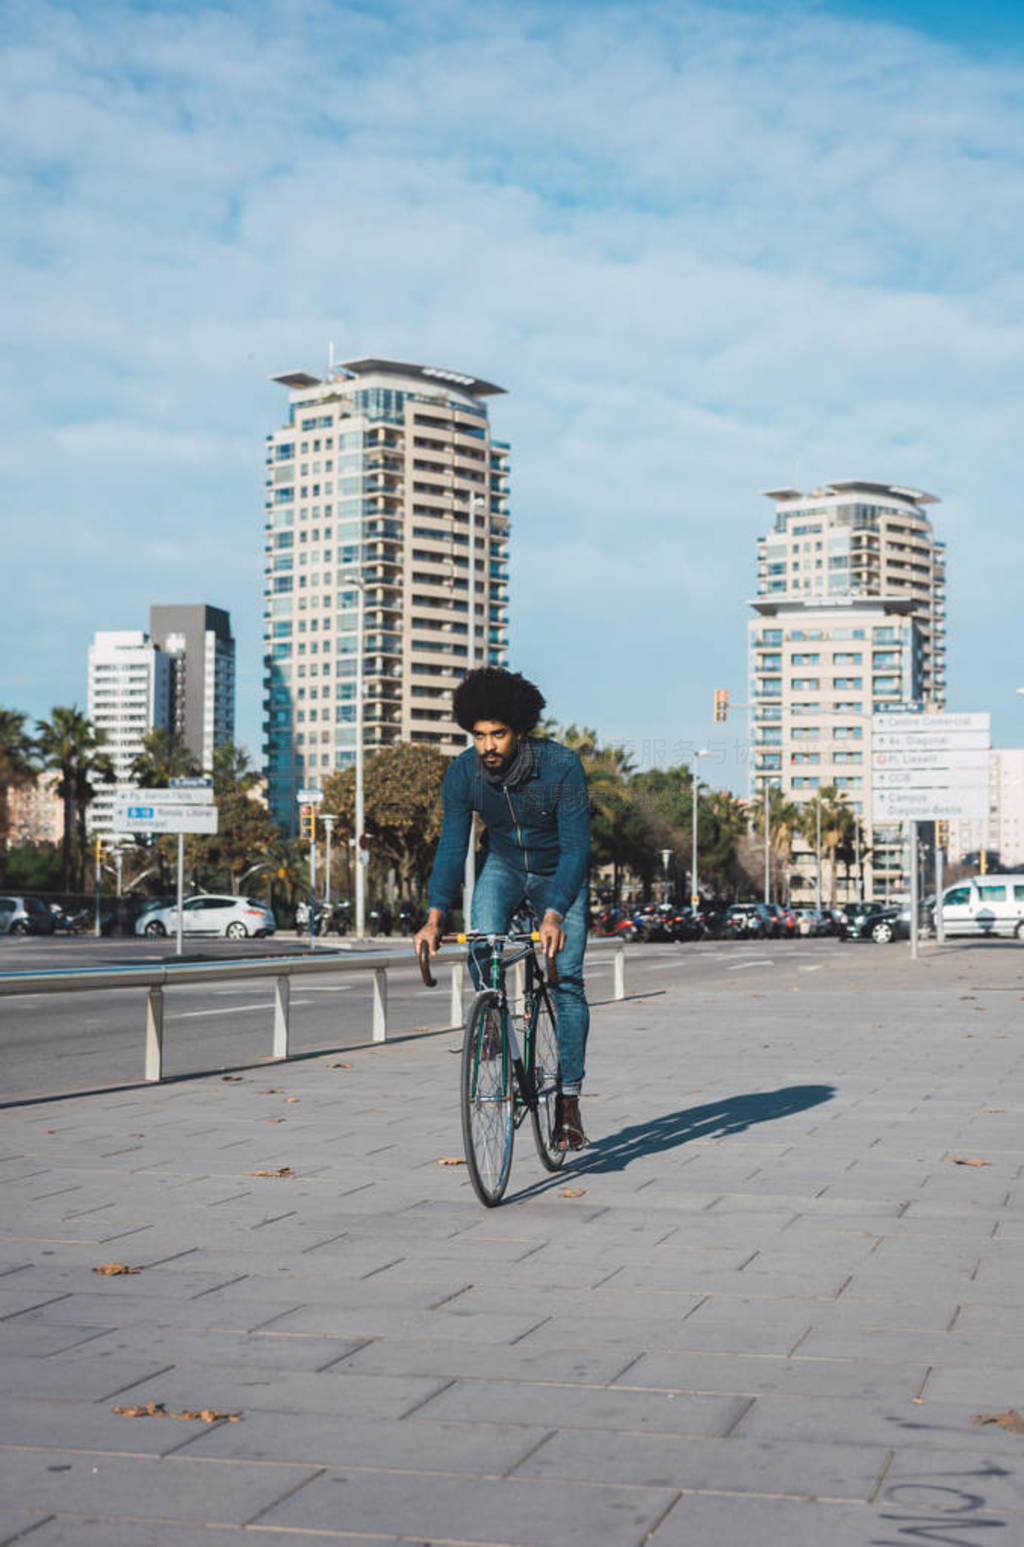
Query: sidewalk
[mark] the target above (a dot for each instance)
(766, 1306)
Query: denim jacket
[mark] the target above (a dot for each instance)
(543, 827)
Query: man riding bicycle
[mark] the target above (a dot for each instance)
(531, 795)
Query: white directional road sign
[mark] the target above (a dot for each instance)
(309, 797)
(193, 795)
(929, 767)
(165, 817)
(917, 757)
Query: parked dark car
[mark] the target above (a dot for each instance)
(25, 916)
(877, 921)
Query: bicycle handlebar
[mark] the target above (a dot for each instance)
(423, 955)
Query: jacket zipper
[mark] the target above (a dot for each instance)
(519, 834)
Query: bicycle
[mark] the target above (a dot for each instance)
(501, 1079)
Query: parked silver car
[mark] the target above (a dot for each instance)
(235, 917)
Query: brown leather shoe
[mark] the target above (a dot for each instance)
(569, 1133)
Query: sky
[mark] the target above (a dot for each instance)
(708, 249)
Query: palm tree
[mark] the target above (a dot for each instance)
(69, 743)
(16, 769)
(785, 820)
(836, 827)
(162, 760)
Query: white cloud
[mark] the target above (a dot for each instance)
(707, 251)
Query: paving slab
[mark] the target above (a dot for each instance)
(529, 1513)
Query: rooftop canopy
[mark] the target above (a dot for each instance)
(473, 386)
(853, 486)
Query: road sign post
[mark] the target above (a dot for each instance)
(187, 806)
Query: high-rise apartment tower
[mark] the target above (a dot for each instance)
(385, 472)
(850, 621)
(198, 640)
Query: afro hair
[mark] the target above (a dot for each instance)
(491, 693)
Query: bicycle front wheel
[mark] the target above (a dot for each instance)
(546, 1070)
(487, 1102)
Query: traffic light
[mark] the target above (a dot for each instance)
(307, 823)
(942, 835)
(721, 705)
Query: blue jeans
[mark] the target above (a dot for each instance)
(501, 889)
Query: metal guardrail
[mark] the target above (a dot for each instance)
(281, 969)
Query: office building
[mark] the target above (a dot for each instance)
(1002, 833)
(850, 621)
(128, 696)
(197, 640)
(387, 474)
(35, 812)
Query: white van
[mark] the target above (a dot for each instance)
(985, 905)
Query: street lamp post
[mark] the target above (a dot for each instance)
(328, 822)
(469, 874)
(767, 842)
(695, 892)
(362, 856)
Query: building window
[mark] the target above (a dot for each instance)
(806, 660)
(849, 684)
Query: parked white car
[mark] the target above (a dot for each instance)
(235, 917)
(985, 905)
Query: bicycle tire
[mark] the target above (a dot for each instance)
(488, 1129)
(545, 1068)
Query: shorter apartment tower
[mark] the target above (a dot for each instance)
(129, 695)
(385, 477)
(818, 672)
(197, 639)
(850, 622)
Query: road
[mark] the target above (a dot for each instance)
(52, 1043)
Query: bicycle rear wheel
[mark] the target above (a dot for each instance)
(487, 1103)
(546, 1070)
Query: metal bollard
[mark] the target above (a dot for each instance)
(458, 978)
(619, 973)
(282, 998)
(380, 1004)
(155, 1033)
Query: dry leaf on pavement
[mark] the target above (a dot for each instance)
(1011, 1420)
(289, 1099)
(232, 1077)
(572, 1192)
(339, 1066)
(115, 1269)
(964, 1160)
(281, 1171)
(158, 1410)
(452, 1160)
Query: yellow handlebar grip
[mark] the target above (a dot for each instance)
(534, 934)
(462, 939)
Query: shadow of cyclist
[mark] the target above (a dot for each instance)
(715, 1120)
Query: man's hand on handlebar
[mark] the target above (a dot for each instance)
(430, 934)
(552, 935)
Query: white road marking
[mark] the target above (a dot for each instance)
(230, 1009)
(743, 966)
(816, 968)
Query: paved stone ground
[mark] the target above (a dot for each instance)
(771, 1314)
